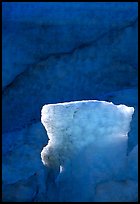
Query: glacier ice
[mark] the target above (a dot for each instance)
(58, 58)
(21, 165)
(88, 142)
(26, 22)
(133, 164)
(113, 191)
(51, 56)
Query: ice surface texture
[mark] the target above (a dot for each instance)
(88, 139)
(65, 52)
(56, 52)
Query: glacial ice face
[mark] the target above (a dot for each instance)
(22, 170)
(61, 57)
(88, 139)
(27, 22)
(51, 56)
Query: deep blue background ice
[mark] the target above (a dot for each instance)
(57, 52)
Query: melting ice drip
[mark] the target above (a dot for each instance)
(88, 140)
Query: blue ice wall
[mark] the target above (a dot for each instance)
(64, 51)
(57, 52)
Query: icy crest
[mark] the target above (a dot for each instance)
(88, 142)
